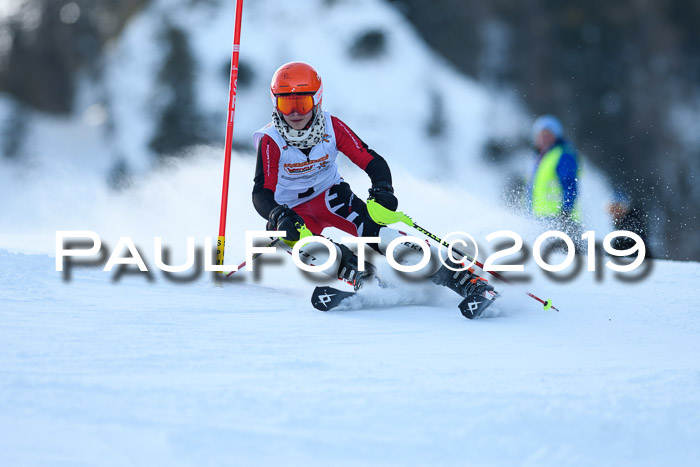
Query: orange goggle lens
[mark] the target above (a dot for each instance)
(295, 102)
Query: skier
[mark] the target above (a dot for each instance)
(298, 188)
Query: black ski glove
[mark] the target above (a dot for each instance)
(383, 194)
(284, 218)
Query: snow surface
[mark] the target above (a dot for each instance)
(94, 372)
(131, 372)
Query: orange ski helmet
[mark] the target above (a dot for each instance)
(296, 86)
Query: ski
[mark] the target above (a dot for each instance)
(474, 305)
(326, 298)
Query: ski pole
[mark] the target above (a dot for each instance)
(546, 303)
(242, 265)
(377, 211)
(391, 217)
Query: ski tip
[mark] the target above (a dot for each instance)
(326, 298)
(473, 305)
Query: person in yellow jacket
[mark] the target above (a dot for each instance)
(553, 189)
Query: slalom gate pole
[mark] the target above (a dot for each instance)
(242, 265)
(233, 83)
(546, 303)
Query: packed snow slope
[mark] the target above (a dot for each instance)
(94, 372)
(120, 370)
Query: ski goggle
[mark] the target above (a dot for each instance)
(288, 103)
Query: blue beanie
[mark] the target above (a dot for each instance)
(547, 122)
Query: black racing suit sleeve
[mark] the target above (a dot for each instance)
(378, 170)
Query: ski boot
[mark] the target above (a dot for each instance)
(477, 292)
(464, 282)
(349, 272)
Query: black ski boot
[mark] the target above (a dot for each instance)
(464, 282)
(349, 272)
